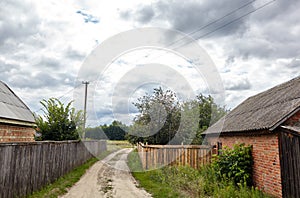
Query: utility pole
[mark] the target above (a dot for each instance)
(84, 111)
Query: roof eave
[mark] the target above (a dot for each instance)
(248, 132)
(17, 122)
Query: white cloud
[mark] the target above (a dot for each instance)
(43, 43)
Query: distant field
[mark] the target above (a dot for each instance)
(117, 144)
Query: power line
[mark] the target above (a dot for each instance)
(205, 26)
(61, 96)
(218, 28)
(237, 19)
(69, 91)
(213, 22)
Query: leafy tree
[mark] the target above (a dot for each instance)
(59, 122)
(95, 133)
(162, 118)
(209, 113)
(189, 121)
(114, 131)
(158, 120)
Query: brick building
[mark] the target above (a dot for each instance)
(270, 122)
(16, 119)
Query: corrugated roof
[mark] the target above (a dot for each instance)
(265, 110)
(12, 107)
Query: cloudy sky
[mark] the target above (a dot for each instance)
(43, 45)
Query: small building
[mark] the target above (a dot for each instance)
(270, 122)
(16, 119)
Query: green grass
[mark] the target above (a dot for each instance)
(62, 184)
(184, 181)
(117, 144)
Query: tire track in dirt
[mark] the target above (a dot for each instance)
(108, 178)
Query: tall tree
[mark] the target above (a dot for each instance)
(162, 119)
(209, 113)
(158, 119)
(59, 122)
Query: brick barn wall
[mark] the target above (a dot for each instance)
(15, 133)
(266, 167)
(293, 120)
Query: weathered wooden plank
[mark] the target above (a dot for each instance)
(26, 167)
(290, 163)
(153, 156)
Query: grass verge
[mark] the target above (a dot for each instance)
(184, 181)
(62, 184)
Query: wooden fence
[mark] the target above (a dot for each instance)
(154, 156)
(28, 166)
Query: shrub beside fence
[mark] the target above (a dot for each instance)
(154, 156)
(28, 166)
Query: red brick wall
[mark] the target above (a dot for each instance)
(14, 133)
(294, 120)
(266, 168)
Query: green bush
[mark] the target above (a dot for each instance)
(59, 122)
(235, 164)
(185, 181)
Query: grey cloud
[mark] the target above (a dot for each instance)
(266, 47)
(74, 54)
(49, 62)
(295, 63)
(18, 20)
(276, 10)
(229, 60)
(26, 80)
(238, 84)
(145, 14)
(7, 67)
(274, 33)
(190, 15)
(39, 80)
(126, 15)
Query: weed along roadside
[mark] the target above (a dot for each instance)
(210, 180)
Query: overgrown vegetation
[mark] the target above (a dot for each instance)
(59, 122)
(184, 181)
(235, 164)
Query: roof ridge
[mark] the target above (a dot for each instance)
(276, 86)
(264, 106)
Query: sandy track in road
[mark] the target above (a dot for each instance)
(109, 177)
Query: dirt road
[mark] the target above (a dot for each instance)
(109, 177)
